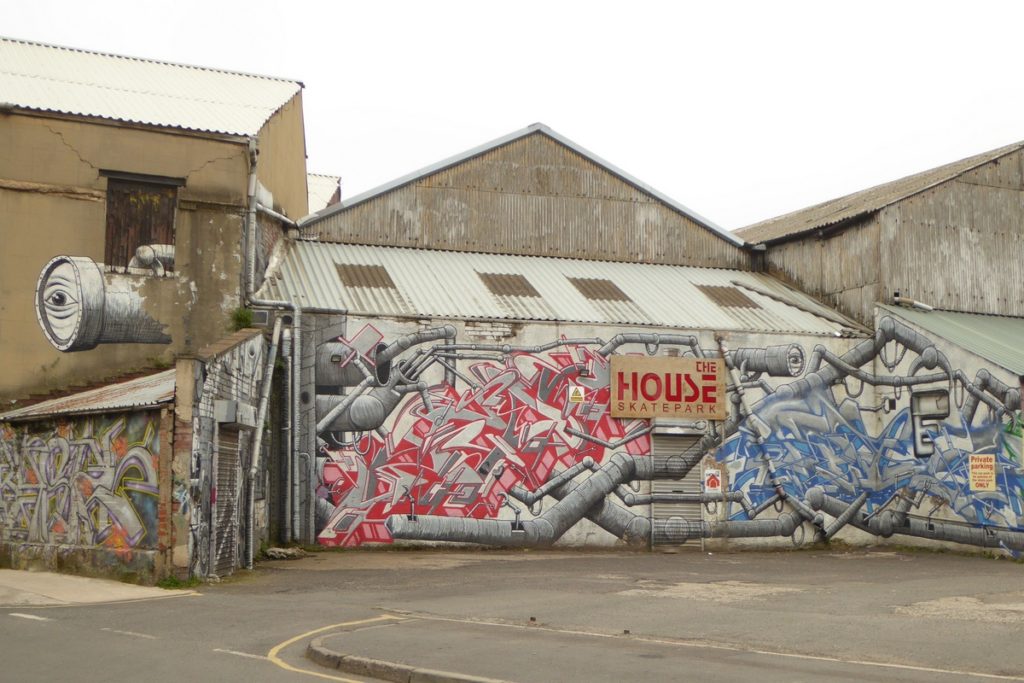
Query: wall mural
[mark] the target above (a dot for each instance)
(511, 460)
(90, 481)
(78, 306)
(234, 375)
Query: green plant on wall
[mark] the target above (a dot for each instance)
(241, 318)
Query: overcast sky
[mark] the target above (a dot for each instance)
(739, 110)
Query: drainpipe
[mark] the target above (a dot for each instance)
(296, 422)
(286, 428)
(294, 381)
(257, 451)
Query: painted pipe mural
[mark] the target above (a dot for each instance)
(87, 482)
(510, 460)
(79, 307)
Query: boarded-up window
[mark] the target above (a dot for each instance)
(138, 214)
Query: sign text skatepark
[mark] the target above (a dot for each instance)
(668, 387)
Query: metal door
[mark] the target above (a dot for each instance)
(225, 530)
(672, 522)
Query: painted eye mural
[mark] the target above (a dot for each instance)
(78, 307)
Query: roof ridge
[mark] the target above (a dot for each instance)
(532, 129)
(150, 60)
(943, 173)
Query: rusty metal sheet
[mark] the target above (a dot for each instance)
(143, 392)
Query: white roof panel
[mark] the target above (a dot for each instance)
(443, 284)
(79, 82)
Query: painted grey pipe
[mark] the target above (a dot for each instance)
(362, 412)
(542, 530)
(985, 384)
(325, 423)
(845, 516)
(331, 373)
(631, 499)
(78, 307)
(395, 348)
(530, 497)
(785, 360)
(897, 522)
(650, 339)
(616, 520)
(679, 530)
(257, 443)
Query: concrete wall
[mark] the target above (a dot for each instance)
(53, 186)
(88, 494)
(453, 459)
(52, 203)
(282, 160)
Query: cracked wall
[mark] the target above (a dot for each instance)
(53, 202)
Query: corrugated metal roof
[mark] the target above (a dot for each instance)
(320, 189)
(444, 284)
(143, 392)
(866, 201)
(995, 338)
(84, 83)
(534, 129)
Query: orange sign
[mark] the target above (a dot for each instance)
(665, 386)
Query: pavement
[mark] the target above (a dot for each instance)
(46, 589)
(445, 616)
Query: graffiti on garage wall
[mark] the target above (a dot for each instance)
(88, 481)
(910, 475)
(527, 449)
(518, 457)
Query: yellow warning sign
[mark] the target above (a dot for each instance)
(577, 394)
(983, 472)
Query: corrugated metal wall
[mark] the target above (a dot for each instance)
(537, 197)
(842, 271)
(960, 246)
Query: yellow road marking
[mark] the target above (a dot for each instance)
(272, 654)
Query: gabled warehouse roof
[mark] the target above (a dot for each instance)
(143, 392)
(865, 202)
(419, 283)
(83, 83)
(534, 129)
(995, 338)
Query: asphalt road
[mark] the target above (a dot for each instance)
(554, 616)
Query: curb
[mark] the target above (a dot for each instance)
(385, 671)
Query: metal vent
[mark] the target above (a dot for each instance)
(597, 289)
(504, 284)
(355, 275)
(728, 296)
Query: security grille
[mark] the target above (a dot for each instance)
(672, 523)
(226, 529)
